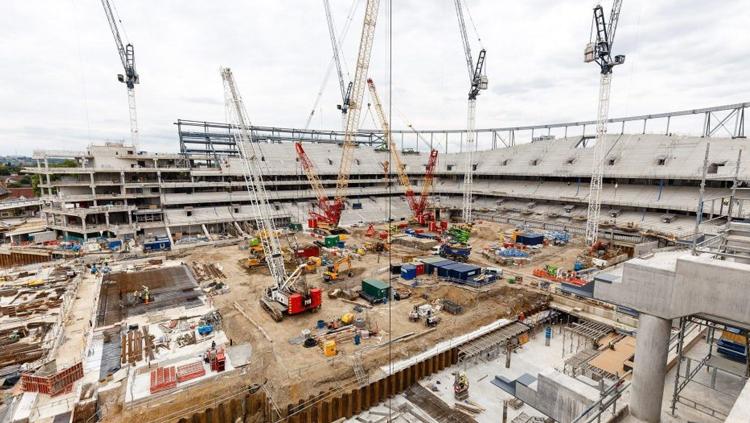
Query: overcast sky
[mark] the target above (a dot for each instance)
(58, 86)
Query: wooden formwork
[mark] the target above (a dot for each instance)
(326, 407)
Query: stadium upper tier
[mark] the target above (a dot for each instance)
(650, 181)
(628, 156)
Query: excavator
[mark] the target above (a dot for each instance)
(256, 257)
(333, 271)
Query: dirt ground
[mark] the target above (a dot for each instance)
(295, 371)
(485, 234)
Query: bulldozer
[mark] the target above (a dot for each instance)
(333, 271)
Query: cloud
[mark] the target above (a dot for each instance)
(59, 90)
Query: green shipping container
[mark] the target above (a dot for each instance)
(375, 289)
(297, 227)
(331, 240)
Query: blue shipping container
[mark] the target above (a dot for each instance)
(157, 245)
(530, 239)
(408, 271)
(447, 271)
(463, 271)
(429, 268)
(444, 268)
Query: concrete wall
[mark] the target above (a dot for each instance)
(674, 284)
(558, 396)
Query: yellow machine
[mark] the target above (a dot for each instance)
(312, 264)
(333, 271)
(257, 256)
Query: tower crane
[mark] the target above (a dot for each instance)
(346, 90)
(600, 52)
(130, 77)
(417, 205)
(288, 294)
(478, 82)
(331, 209)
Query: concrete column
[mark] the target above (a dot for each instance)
(651, 347)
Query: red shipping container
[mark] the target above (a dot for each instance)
(444, 224)
(309, 251)
(420, 269)
(312, 224)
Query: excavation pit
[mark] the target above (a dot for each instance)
(168, 287)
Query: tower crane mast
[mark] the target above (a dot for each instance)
(283, 297)
(600, 52)
(130, 78)
(477, 82)
(331, 210)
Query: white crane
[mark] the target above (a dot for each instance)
(346, 90)
(282, 297)
(477, 81)
(130, 78)
(600, 51)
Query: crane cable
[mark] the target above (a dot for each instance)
(83, 76)
(331, 64)
(474, 26)
(122, 26)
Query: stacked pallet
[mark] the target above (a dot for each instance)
(58, 383)
(163, 378)
(132, 347)
(190, 371)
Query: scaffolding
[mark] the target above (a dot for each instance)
(711, 372)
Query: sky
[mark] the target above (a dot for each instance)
(58, 86)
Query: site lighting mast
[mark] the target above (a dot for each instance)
(600, 51)
(477, 81)
(331, 210)
(130, 77)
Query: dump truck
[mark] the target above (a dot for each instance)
(457, 252)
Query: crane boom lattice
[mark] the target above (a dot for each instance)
(130, 78)
(600, 51)
(355, 105)
(477, 82)
(253, 177)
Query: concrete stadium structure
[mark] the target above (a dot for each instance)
(651, 183)
(652, 192)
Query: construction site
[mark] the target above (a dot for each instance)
(524, 274)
